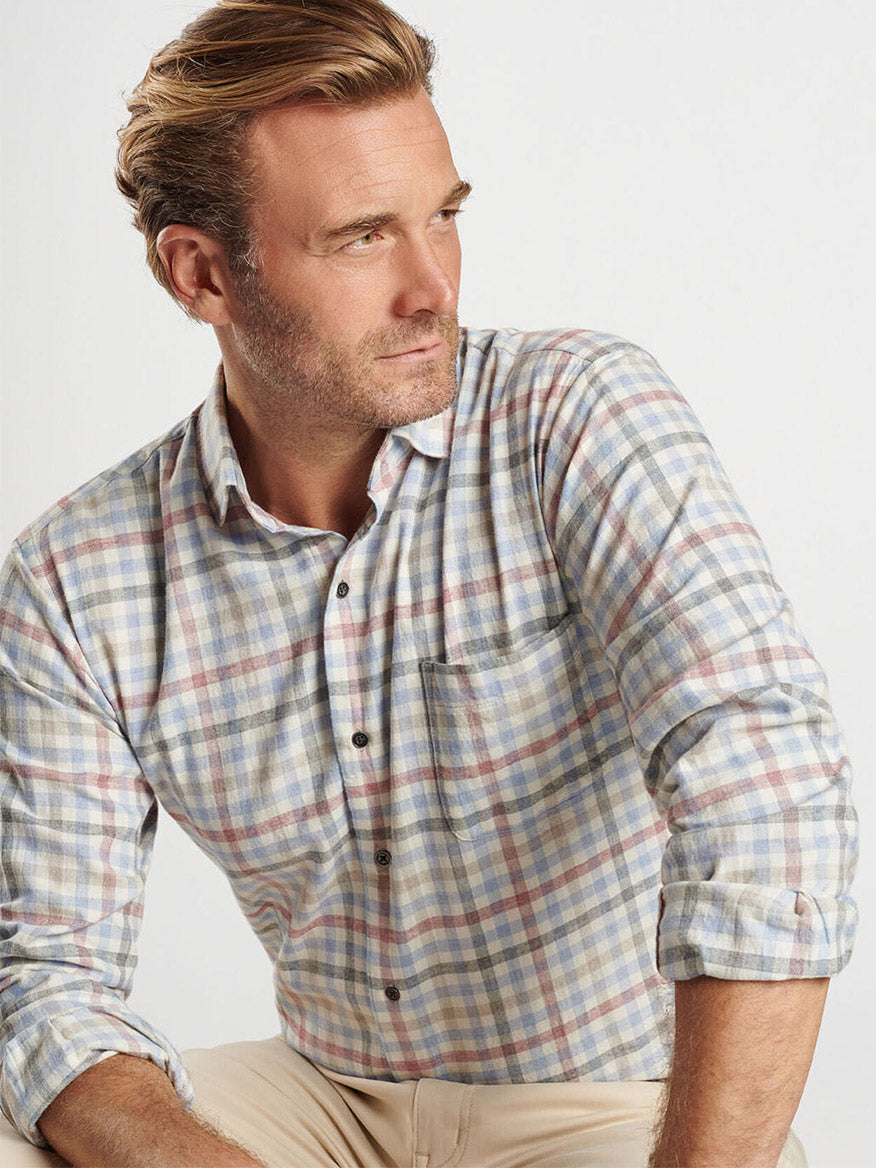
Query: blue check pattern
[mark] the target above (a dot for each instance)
(541, 736)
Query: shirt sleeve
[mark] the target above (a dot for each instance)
(728, 708)
(78, 822)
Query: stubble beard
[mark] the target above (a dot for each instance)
(295, 368)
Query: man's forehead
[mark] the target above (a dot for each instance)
(316, 137)
(329, 158)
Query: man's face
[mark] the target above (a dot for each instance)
(352, 316)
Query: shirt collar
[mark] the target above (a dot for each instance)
(429, 436)
(221, 467)
(219, 463)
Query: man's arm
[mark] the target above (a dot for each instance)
(731, 718)
(124, 1113)
(742, 1053)
(78, 821)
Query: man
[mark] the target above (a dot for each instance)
(453, 648)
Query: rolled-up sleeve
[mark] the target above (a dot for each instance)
(78, 822)
(727, 707)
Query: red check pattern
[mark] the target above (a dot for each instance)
(540, 736)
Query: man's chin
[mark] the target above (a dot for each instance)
(428, 404)
(421, 394)
(406, 417)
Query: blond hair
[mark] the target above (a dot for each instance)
(182, 154)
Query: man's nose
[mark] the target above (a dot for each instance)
(429, 280)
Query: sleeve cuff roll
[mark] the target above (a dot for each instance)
(743, 932)
(38, 1064)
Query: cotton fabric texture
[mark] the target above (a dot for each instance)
(541, 735)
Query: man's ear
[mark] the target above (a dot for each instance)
(197, 270)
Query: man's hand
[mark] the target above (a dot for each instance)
(124, 1113)
(742, 1053)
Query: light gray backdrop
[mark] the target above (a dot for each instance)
(696, 175)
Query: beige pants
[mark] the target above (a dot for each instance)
(291, 1115)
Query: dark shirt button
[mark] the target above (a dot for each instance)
(383, 858)
(393, 993)
(360, 739)
(343, 589)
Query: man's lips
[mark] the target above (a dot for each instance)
(422, 352)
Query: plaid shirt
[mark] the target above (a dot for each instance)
(543, 727)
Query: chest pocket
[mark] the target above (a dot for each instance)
(508, 735)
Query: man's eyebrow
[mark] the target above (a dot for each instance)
(459, 193)
(356, 227)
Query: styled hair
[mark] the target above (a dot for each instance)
(182, 155)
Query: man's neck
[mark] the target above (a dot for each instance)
(303, 472)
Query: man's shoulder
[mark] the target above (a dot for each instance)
(529, 374)
(586, 346)
(119, 500)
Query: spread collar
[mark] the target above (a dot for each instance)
(221, 468)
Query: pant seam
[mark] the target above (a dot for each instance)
(415, 1128)
(463, 1128)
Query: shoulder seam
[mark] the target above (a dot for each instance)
(614, 347)
(85, 490)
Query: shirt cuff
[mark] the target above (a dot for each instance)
(743, 932)
(37, 1065)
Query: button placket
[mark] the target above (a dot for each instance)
(340, 635)
(344, 623)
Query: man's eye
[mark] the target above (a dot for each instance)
(449, 214)
(363, 241)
